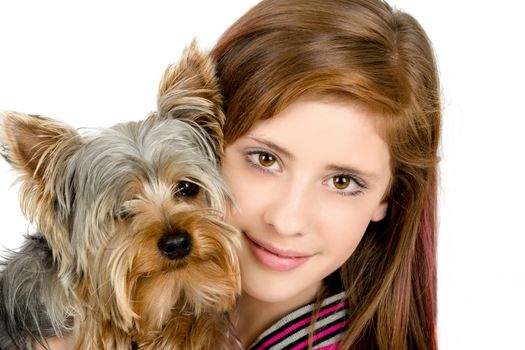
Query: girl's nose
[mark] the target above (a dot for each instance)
(288, 212)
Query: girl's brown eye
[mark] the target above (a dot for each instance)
(341, 182)
(266, 159)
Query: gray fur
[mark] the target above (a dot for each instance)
(28, 290)
(89, 194)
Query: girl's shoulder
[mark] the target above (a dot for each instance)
(292, 331)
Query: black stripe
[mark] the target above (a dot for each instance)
(321, 339)
(299, 319)
(334, 333)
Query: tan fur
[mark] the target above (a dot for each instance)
(200, 89)
(118, 284)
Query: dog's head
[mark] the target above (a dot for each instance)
(133, 213)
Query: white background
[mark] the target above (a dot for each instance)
(95, 63)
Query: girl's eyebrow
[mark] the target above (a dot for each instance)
(273, 146)
(365, 175)
(352, 170)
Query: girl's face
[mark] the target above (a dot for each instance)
(307, 182)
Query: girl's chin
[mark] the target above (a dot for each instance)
(269, 289)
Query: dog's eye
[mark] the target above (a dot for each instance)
(124, 214)
(186, 189)
(125, 211)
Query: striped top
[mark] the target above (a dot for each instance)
(291, 331)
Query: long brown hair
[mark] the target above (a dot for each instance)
(369, 53)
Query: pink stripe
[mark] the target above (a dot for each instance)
(293, 327)
(320, 334)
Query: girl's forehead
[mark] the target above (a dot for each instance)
(323, 107)
(318, 122)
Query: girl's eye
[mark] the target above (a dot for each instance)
(266, 159)
(341, 182)
(345, 185)
(263, 161)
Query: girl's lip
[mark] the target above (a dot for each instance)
(277, 251)
(276, 258)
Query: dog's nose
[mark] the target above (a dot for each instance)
(175, 245)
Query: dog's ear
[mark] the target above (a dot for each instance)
(39, 149)
(35, 145)
(190, 91)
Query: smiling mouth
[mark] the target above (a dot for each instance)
(274, 258)
(287, 254)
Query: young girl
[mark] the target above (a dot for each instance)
(333, 127)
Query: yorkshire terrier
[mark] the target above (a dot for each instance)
(131, 250)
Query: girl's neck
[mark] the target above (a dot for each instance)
(253, 316)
